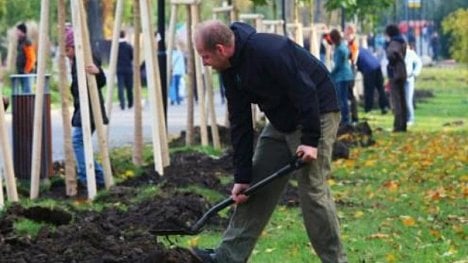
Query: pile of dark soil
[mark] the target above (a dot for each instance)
(108, 236)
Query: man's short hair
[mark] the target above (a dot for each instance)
(392, 30)
(122, 34)
(22, 27)
(212, 33)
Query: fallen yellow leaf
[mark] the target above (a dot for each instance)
(435, 233)
(129, 173)
(391, 185)
(358, 214)
(193, 242)
(408, 221)
(390, 257)
(378, 236)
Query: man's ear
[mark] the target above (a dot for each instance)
(219, 48)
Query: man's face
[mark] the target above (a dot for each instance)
(19, 33)
(217, 59)
(70, 52)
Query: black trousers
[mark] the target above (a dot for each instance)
(374, 81)
(400, 110)
(353, 107)
(125, 85)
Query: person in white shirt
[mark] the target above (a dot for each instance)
(413, 68)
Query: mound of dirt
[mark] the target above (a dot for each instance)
(111, 235)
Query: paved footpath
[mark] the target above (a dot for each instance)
(121, 126)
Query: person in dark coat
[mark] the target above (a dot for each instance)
(396, 71)
(371, 71)
(296, 93)
(77, 134)
(125, 72)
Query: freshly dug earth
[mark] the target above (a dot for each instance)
(123, 231)
(109, 236)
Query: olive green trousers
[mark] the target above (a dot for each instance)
(274, 150)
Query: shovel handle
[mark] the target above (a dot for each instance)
(293, 165)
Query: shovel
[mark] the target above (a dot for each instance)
(197, 228)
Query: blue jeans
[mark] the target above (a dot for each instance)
(25, 84)
(409, 93)
(174, 89)
(78, 147)
(342, 92)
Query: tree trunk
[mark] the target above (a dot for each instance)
(95, 25)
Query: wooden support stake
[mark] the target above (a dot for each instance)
(95, 103)
(113, 57)
(83, 94)
(211, 108)
(190, 80)
(199, 79)
(10, 179)
(186, 2)
(138, 120)
(154, 87)
(70, 174)
(39, 100)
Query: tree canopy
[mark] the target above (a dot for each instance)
(456, 25)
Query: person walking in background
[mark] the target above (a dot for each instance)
(341, 73)
(413, 69)
(371, 71)
(435, 45)
(396, 72)
(178, 71)
(125, 72)
(77, 134)
(353, 47)
(297, 94)
(25, 57)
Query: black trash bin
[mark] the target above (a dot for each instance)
(22, 103)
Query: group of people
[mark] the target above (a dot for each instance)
(348, 58)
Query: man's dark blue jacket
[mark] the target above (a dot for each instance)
(290, 85)
(366, 61)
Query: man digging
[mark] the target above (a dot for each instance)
(295, 91)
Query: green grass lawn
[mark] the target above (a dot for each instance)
(401, 200)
